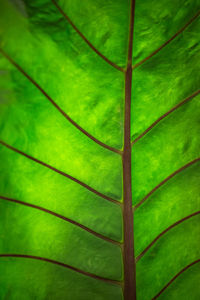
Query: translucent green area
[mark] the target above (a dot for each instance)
(46, 281)
(185, 285)
(175, 250)
(92, 93)
(166, 148)
(38, 233)
(158, 85)
(32, 183)
(157, 21)
(174, 201)
(105, 23)
(82, 83)
(166, 79)
(37, 128)
(36, 36)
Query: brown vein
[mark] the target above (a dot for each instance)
(165, 180)
(56, 105)
(62, 265)
(85, 39)
(63, 218)
(174, 278)
(165, 115)
(168, 41)
(128, 250)
(164, 232)
(60, 172)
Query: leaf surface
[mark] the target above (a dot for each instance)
(67, 129)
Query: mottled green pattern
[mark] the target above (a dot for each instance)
(83, 80)
(104, 22)
(50, 138)
(158, 85)
(185, 285)
(43, 281)
(171, 203)
(157, 21)
(172, 144)
(39, 39)
(168, 256)
(166, 79)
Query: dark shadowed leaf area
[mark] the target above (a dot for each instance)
(67, 73)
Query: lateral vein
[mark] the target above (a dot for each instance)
(62, 265)
(163, 233)
(91, 137)
(60, 172)
(164, 181)
(177, 275)
(85, 39)
(165, 115)
(63, 218)
(168, 41)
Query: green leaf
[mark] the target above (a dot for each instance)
(100, 161)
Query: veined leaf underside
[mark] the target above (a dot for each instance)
(127, 282)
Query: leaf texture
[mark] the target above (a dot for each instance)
(100, 150)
